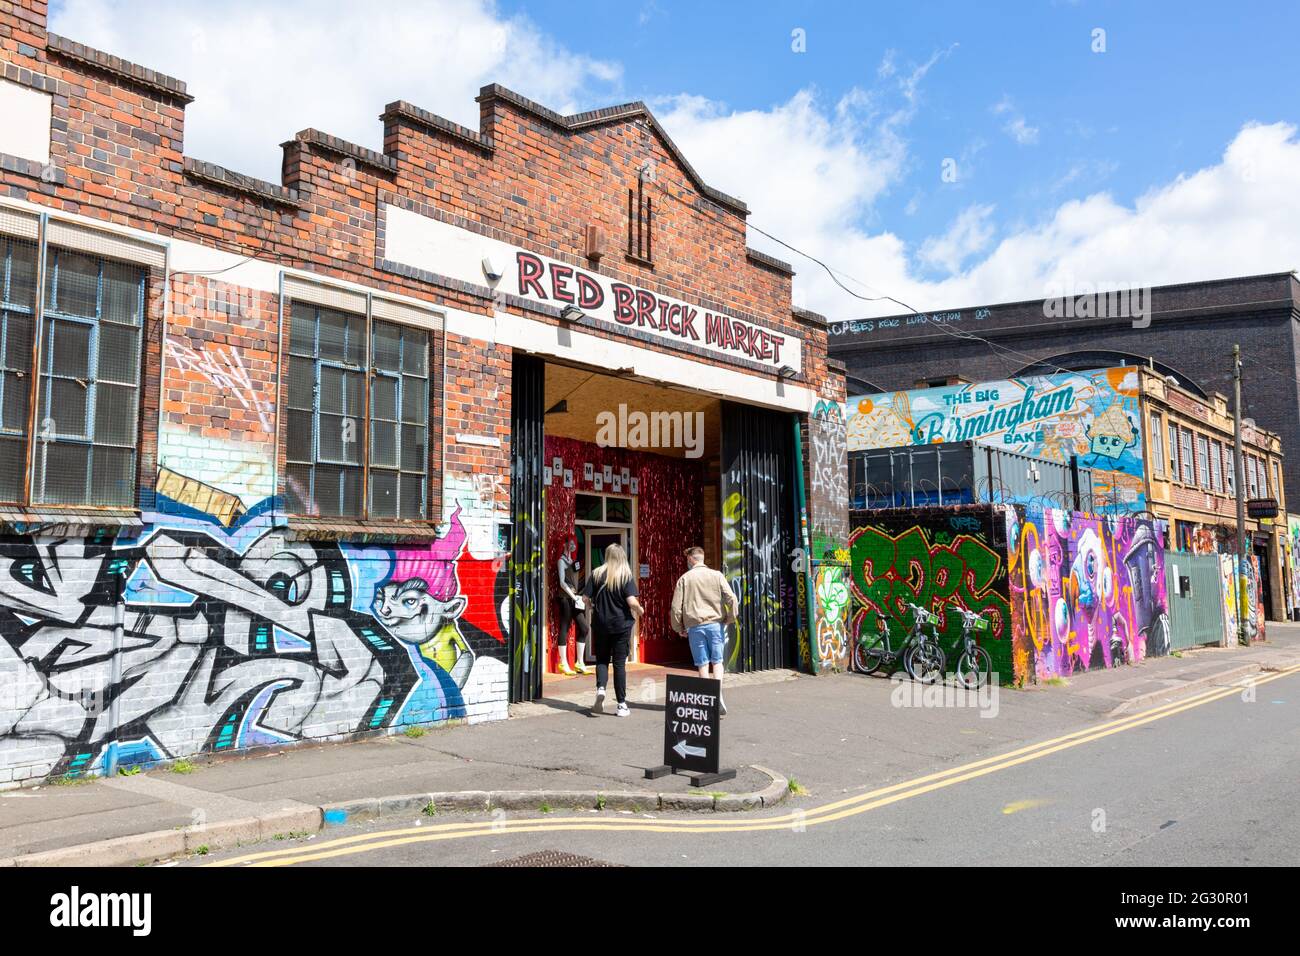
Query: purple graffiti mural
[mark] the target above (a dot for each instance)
(1086, 591)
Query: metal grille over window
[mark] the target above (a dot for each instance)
(327, 355)
(17, 315)
(347, 395)
(88, 393)
(399, 416)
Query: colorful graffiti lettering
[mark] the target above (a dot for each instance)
(923, 564)
(194, 635)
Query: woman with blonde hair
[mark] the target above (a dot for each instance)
(615, 612)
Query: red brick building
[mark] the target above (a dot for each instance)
(297, 460)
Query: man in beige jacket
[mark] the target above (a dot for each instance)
(703, 606)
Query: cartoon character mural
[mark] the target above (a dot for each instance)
(195, 635)
(421, 605)
(1086, 591)
(1091, 415)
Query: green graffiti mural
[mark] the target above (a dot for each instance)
(933, 562)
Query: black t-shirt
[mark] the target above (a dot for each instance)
(609, 611)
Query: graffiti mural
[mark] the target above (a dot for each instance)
(1291, 547)
(197, 635)
(832, 594)
(828, 479)
(1086, 591)
(931, 558)
(1092, 415)
(759, 553)
(1244, 590)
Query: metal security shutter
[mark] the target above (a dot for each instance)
(301, 289)
(406, 314)
(758, 535)
(107, 245)
(19, 224)
(529, 523)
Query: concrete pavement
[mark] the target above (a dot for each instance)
(834, 735)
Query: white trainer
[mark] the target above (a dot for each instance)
(599, 706)
(624, 710)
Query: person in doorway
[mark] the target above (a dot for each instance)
(615, 613)
(703, 606)
(573, 610)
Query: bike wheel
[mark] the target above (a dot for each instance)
(924, 662)
(974, 667)
(867, 658)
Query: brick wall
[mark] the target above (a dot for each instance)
(305, 622)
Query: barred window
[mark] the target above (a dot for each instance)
(1203, 461)
(349, 392)
(17, 311)
(87, 414)
(1185, 454)
(1216, 463)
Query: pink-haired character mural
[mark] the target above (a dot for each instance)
(421, 604)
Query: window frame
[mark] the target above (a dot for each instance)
(21, 436)
(1186, 456)
(1202, 461)
(370, 374)
(52, 314)
(1157, 444)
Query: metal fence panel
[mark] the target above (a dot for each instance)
(1197, 615)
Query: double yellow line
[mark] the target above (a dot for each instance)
(795, 819)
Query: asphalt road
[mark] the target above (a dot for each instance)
(1206, 780)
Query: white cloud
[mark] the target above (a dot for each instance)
(1016, 126)
(261, 72)
(970, 233)
(813, 171)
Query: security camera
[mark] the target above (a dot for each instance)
(490, 270)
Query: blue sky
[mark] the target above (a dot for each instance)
(1175, 83)
(1171, 156)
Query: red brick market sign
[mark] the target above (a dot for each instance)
(434, 246)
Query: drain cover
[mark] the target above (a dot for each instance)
(552, 858)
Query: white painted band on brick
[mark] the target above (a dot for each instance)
(462, 439)
(542, 338)
(434, 246)
(507, 328)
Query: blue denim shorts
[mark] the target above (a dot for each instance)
(707, 643)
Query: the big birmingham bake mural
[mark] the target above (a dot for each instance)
(1093, 415)
(236, 635)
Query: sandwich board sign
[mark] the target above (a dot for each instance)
(692, 741)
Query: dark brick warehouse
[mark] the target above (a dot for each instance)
(1192, 329)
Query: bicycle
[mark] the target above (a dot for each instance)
(922, 657)
(974, 665)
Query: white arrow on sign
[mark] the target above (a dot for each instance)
(684, 750)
